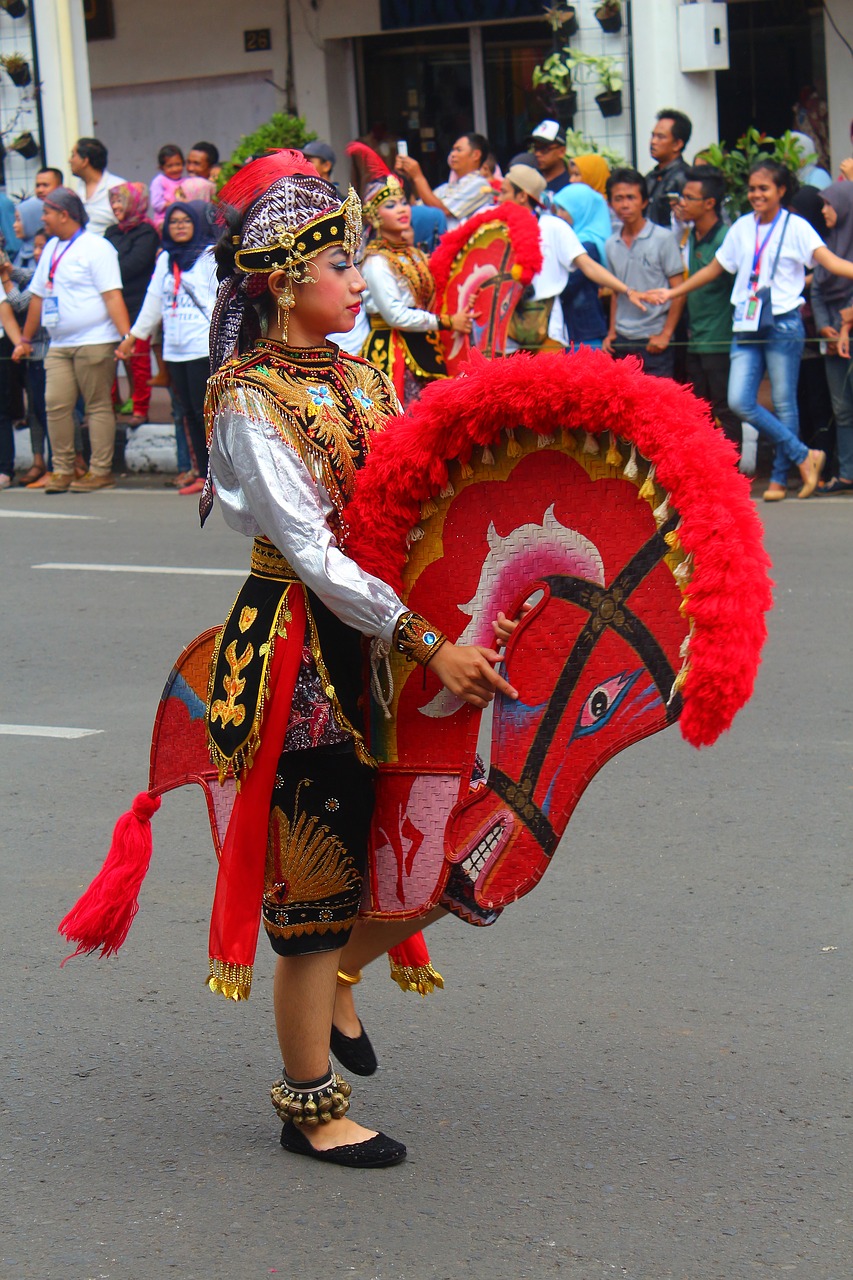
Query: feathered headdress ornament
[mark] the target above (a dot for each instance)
(375, 179)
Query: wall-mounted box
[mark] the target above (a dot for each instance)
(703, 36)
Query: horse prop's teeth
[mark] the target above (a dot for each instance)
(477, 859)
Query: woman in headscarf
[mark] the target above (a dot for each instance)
(592, 169)
(137, 243)
(809, 171)
(195, 188)
(829, 295)
(27, 224)
(291, 421)
(589, 218)
(181, 295)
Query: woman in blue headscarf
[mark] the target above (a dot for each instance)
(587, 212)
(27, 225)
(181, 296)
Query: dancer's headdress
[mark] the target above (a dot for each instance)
(376, 180)
(280, 215)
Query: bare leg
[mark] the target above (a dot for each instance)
(303, 998)
(369, 940)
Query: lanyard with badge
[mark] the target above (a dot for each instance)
(747, 316)
(50, 304)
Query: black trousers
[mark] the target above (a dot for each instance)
(189, 379)
(708, 371)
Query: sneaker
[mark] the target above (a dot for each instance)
(90, 482)
(58, 482)
(5, 481)
(195, 486)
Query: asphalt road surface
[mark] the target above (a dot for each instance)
(642, 1071)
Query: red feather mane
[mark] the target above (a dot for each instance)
(523, 234)
(729, 590)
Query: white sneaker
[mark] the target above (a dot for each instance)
(5, 481)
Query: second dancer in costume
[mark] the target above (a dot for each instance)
(404, 337)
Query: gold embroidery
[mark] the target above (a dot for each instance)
(412, 266)
(306, 862)
(247, 617)
(231, 711)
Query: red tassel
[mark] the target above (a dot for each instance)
(103, 915)
(411, 967)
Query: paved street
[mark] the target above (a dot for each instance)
(642, 1071)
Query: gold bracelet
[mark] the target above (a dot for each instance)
(416, 639)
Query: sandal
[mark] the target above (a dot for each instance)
(36, 473)
(835, 485)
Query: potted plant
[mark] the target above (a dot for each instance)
(17, 69)
(556, 73)
(736, 163)
(609, 15)
(608, 73)
(26, 146)
(14, 8)
(562, 19)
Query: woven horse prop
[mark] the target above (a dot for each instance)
(644, 581)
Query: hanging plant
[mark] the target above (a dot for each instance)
(14, 8)
(17, 69)
(555, 73)
(608, 72)
(609, 16)
(25, 145)
(562, 19)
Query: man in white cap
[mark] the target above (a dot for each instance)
(548, 144)
(538, 323)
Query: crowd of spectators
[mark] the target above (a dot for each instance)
(647, 266)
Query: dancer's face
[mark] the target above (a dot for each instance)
(394, 217)
(329, 305)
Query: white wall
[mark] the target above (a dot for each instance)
(839, 74)
(660, 83)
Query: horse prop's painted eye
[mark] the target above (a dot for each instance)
(602, 702)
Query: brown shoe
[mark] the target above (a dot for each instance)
(810, 471)
(58, 482)
(778, 494)
(90, 482)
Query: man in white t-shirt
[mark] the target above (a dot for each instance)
(76, 295)
(89, 165)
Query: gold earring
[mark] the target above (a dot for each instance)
(284, 303)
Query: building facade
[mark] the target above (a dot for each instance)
(421, 71)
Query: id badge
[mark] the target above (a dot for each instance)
(747, 316)
(50, 313)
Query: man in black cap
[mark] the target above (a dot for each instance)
(322, 157)
(548, 144)
(76, 295)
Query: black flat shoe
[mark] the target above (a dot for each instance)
(354, 1053)
(376, 1153)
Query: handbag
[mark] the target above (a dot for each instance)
(529, 324)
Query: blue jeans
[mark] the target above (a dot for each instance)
(839, 378)
(780, 355)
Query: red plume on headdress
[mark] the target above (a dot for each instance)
(368, 166)
(371, 166)
(255, 178)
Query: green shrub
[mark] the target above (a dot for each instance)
(279, 131)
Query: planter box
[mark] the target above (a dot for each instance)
(609, 22)
(21, 76)
(610, 104)
(15, 8)
(25, 146)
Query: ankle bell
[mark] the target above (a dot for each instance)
(311, 1102)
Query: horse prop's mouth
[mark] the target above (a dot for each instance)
(481, 848)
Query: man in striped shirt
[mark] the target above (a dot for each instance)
(466, 192)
